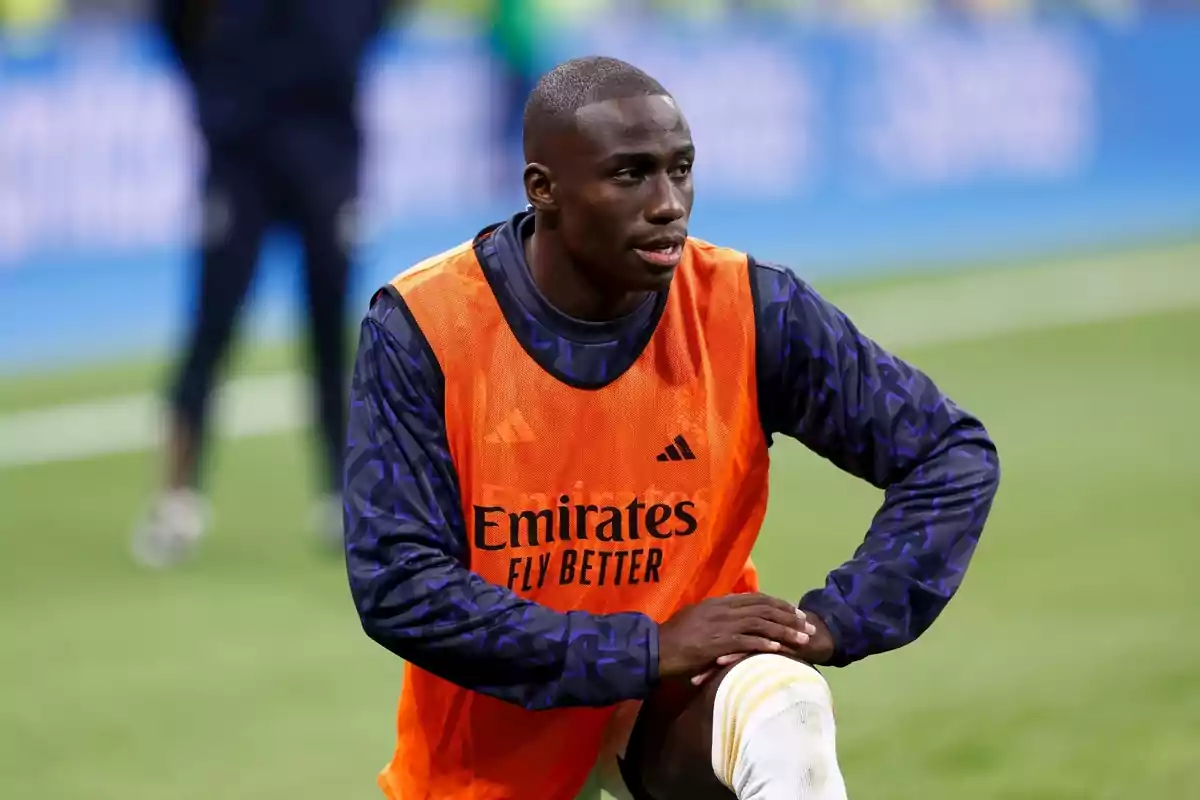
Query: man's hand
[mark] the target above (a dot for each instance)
(817, 651)
(721, 628)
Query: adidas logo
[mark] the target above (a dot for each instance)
(512, 430)
(678, 450)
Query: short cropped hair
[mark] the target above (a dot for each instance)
(577, 83)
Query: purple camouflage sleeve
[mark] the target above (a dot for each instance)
(825, 384)
(406, 551)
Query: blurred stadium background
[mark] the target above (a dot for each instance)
(1007, 192)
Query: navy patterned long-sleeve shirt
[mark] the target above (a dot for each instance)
(821, 382)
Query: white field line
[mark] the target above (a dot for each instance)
(968, 307)
(244, 407)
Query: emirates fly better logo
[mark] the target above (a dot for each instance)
(607, 542)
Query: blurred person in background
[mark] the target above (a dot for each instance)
(513, 30)
(275, 85)
(26, 18)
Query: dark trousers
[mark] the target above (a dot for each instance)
(305, 176)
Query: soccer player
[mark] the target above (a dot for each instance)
(275, 89)
(557, 468)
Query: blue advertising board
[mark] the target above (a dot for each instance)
(833, 151)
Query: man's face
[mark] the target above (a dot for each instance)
(623, 189)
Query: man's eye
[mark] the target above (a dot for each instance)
(681, 170)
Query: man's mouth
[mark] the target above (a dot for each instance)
(664, 255)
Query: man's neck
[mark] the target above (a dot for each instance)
(566, 286)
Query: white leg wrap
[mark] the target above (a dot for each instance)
(774, 736)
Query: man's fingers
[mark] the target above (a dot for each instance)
(778, 611)
(741, 601)
(723, 661)
(783, 634)
(785, 617)
(782, 626)
(746, 644)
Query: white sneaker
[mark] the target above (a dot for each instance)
(172, 529)
(327, 522)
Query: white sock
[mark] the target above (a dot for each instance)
(774, 736)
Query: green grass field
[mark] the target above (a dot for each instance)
(1068, 666)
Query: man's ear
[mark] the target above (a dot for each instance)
(539, 187)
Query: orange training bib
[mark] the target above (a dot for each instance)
(644, 495)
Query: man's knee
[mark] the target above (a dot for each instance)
(694, 742)
(774, 733)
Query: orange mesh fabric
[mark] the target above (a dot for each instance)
(646, 494)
